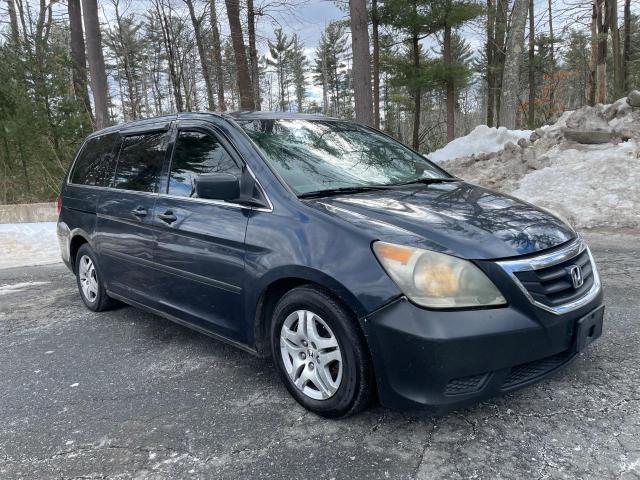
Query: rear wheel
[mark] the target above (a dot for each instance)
(320, 353)
(89, 281)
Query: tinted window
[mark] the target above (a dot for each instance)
(96, 163)
(140, 162)
(197, 153)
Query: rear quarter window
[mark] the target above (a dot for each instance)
(96, 161)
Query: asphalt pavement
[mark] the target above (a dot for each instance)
(125, 394)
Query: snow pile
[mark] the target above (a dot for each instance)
(23, 244)
(482, 139)
(594, 187)
(586, 166)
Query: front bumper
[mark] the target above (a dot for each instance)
(444, 360)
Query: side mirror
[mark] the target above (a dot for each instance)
(218, 186)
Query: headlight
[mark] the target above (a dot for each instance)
(437, 280)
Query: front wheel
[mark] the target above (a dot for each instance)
(321, 353)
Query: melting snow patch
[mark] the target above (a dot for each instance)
(482, 139)
(18, 287)
(593, 185)
(24, 244)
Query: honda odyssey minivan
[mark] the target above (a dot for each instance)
(364, 270)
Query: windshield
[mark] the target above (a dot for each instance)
(317, 155)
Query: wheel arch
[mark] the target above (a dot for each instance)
(277, 284)
(78, 238)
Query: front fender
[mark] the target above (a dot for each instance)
(305, 274)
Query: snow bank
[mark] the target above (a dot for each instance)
(23, 244)
(598, 186)
(482, 139)
(591, 184)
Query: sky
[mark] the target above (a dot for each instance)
(308, 18)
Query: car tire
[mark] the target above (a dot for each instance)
(89, 281)
(325, 365)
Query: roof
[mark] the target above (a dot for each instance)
(254, 115)
(261, 115)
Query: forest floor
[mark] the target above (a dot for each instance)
(125, 394)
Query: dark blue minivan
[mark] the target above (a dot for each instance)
(362, 268)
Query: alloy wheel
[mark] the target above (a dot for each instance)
(88, 278)
(311, 354)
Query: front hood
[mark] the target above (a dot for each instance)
(455, 218)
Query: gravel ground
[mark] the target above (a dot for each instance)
(125, 394)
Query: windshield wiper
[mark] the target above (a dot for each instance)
(427, 181)
(342, 190)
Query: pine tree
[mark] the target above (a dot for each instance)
(280, 52)
(445, 16)
(329, 68)
(299, 65)
(414, 19)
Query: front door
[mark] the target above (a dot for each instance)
(200, 243)
(125, 235)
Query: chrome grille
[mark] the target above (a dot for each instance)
(546, 279)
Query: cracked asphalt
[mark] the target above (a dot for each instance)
(125, 394)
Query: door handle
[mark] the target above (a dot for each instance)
(168, 217)
(140, 212)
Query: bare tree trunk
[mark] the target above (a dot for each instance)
(13, 20)
(125, 116)
(491, 19)
(616, 50)
(336, 87)
(601, 65)
(197, 30)
(361, 61)
(78, 56)
(242, 68)
(626, 54)
(417, 99)
(23, 162)
(145, 86)
(99, 84)
(253, 54)
(376, 63)
(502, 7)
(126, 65)
(172, 59)
(532, 77)
(217, 56)
(156, 78)
(593, 61)
(451, 132)
(325, 83)
(281, 87)
(552, 59)
(513, 62)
